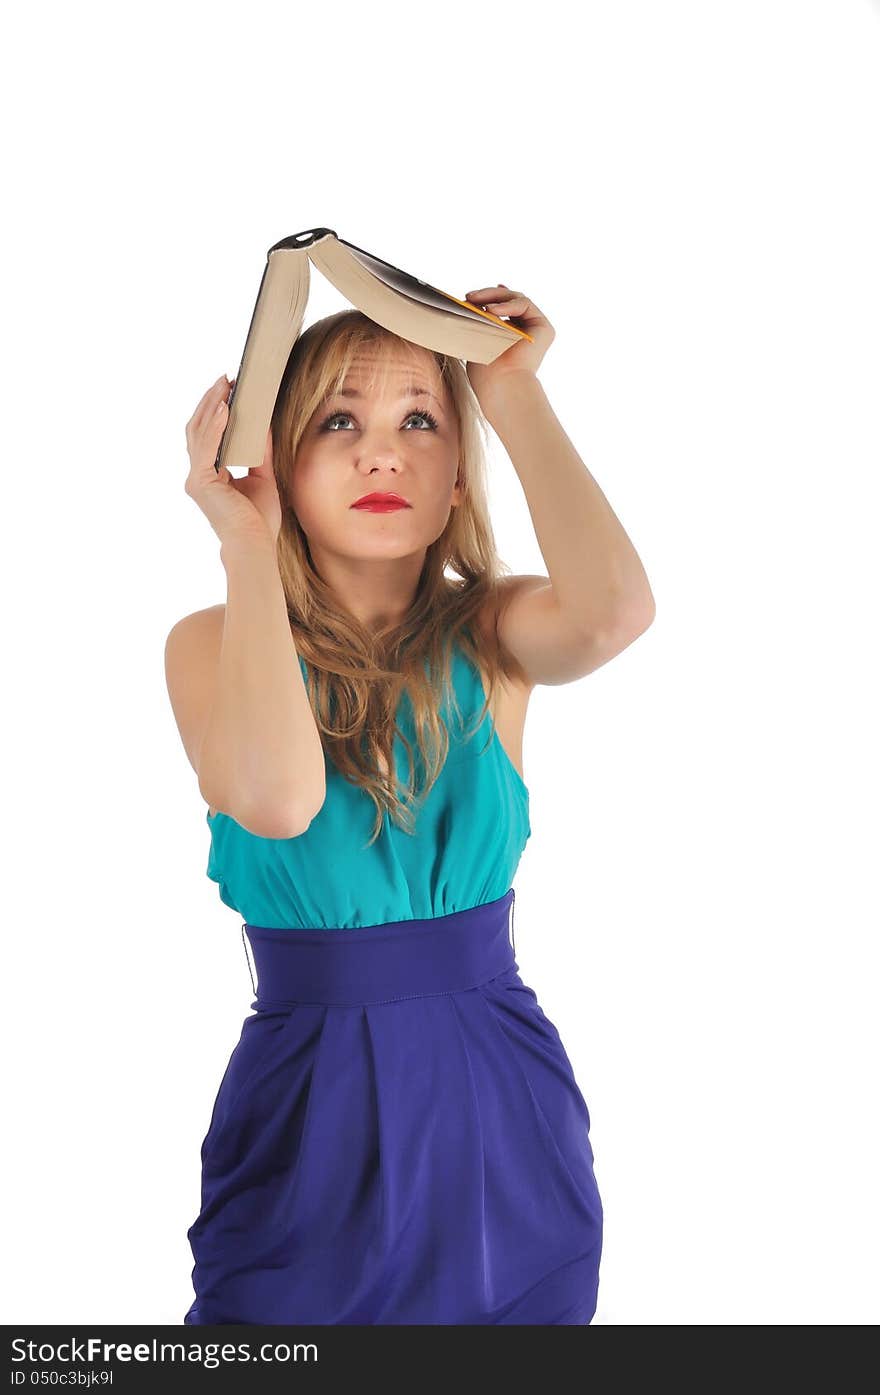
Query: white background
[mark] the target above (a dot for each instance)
(689, 191)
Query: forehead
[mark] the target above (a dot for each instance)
(393, 374)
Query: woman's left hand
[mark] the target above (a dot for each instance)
(522, 357)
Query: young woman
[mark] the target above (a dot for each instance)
(398, 1136)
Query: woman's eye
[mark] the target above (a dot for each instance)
(335, 416)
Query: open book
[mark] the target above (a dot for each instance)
(415, 310)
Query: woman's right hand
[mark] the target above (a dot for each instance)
(248, 508)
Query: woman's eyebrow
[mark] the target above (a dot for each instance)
(414, 390)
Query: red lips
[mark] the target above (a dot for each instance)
(381, 500)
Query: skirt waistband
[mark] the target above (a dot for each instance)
(378, 963)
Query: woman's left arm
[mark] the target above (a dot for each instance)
(598, 594)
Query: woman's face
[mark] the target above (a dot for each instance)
(397, 435)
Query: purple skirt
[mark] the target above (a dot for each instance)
(398, 1138)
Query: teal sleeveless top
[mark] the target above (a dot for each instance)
(469, 835)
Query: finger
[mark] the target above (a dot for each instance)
(196, 423)
(204, 438)
(212, 391)
(208, 406)
(512, 306)
(216, 406)
(519, 310)
(490, 292)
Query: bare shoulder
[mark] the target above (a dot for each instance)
(192, 652)
(191, 641)
(198, 620)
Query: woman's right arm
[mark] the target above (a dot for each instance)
(234, 677)
(241, 704)
(261, 757)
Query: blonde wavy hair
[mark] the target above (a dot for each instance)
(356, 676)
